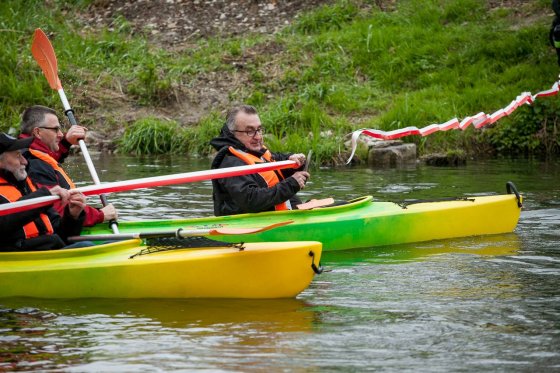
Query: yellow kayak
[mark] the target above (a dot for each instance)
(128, 269)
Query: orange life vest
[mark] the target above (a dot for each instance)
(54, 164)
(270, 177)
(12, 194)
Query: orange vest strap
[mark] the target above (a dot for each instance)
(270, 177)
(54, 164)
(12, 194)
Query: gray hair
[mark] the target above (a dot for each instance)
(232, 114)
(34, 116)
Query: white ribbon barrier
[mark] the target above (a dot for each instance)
(479, 120)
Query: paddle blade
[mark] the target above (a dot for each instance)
(234, 231)
(183, 233)
(43, 53)
(308, 161)
(314, 203)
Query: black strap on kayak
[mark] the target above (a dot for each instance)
(159, 244)
(510, 188)
(404, 204)
(317, 270)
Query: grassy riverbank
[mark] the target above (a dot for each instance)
(342, 67)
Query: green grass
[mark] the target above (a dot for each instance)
(152, 136)
(336, 69)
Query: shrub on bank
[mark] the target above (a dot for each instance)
(152, 136)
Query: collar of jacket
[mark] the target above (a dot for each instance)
(42, 147)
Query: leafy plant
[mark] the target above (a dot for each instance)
(152, 136)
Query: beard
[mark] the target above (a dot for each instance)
(19, 173)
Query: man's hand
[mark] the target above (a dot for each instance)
(59, 191)
(76, 203)
(301, 177)
(109, 212)
(75, 134)
(299, 158)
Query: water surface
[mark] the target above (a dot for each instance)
(471, 304)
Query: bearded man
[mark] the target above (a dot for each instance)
(41, 228)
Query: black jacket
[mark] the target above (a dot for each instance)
(248, 193)
(11, 231)
(554, 34)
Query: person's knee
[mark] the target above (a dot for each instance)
(77, 245)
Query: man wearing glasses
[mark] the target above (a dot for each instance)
(241, 143)
(49, 148)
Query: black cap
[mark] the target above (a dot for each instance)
(9, 143)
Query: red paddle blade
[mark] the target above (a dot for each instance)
(43, 53)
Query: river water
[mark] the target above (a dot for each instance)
(473, 304)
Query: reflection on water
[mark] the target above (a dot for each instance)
(84, 331)
(470, 304)
(274, 315)
(496, 245)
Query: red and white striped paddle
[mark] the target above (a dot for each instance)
(149, 182)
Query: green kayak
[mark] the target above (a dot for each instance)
(358, 223)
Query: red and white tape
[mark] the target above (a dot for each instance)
(479, 120)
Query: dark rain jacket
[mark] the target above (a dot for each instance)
(248, 193)
(554, 34)
(11, 231)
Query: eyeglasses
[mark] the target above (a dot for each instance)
(253, 133)
(55, 129)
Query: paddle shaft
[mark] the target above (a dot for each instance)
(179, 233)
(70, 114)
(149, 182)
(43, 52)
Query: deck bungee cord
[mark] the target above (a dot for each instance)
(477, 121)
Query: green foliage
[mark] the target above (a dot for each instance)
(298, 127)
(534, 130)
(340, 67)
(199, 136)
(327, 17)
(152, 136)
(151, 86)
(21, 84)
(326, 147)
(463, 11)
(290, 116)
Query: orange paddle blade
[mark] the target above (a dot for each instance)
(43, 53)
(227, 231)
(315, 203)
(177, 233)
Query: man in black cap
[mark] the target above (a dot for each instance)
(37, 229)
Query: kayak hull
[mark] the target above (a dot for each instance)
(360, 223)
(260, 270)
